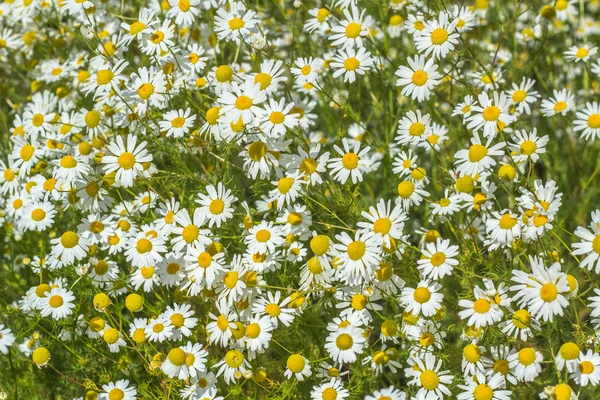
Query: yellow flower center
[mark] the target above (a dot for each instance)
(438, 259)
(422, 295)
(243, 102)
(145, 91)
(38, 214)
(416, 129)
(263, 235)
(178, 122)
(224, 73)
(351, 64)
(519, 95)
(136, 28)
(429, 379)
(582, 52)
(586, 367)
(55, 301)
(382, 225)
(548, 292)
(356, 250)
(236, 23)
(26, 152)
(264, 80)
(483, 392)
(419, 77)
(177, 356)
(353, 30)
(69, 239)
(491, 113)
(560, 106)
(569, 351)
(344, 341)
(190, 233)
(528, 147)
(477, 152)
(594, 121)
(507, 221)
(68, 162)
(481, 306)
(406, 189)
(439, 36)
(521, 319)
(527, 356)
(350, 161)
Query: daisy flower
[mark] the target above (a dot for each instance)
(490, 389)
(522, 95)
(148, 86)
(69, 247)
(482, 312)
(334, 389)
(358, 258)
(587, 370)
(590, 244)
(352, 29)
(527, 146)
(437, 36)
(232, 365)
(217, 204)
(583, 53)
(177, 123)
(478, 158)
(185, 361)
(419, 78)
(543, 290)
(184, 11)
(588, 122)
(278, 118)
(120, 390)
(126, 160)
(426, 374)
(424, 299)
(188, 233)
(350, 62)
(242, 102)
(58, 303)
(344, 344)
(385, 220)
(526, 364)
(264, 238)
(234, 24)
(562, 102)
(490, 114)
(352, 163)
(437, 259)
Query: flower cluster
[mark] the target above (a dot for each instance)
(343, 199)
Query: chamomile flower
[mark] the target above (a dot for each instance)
(351, 30)
(590, 244)
(426, 373)
(419, 78)
(57, 303)
(126, 160)
(562, 102)
(120, 390)
(526, 364)
(425, 299)
(350, 62)
(344, 344)
(177, 123)
(587, 122)
(352, 163)
(527, 145)
(490, 114)
(582, 53)
(437, 260)
(437, 36)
